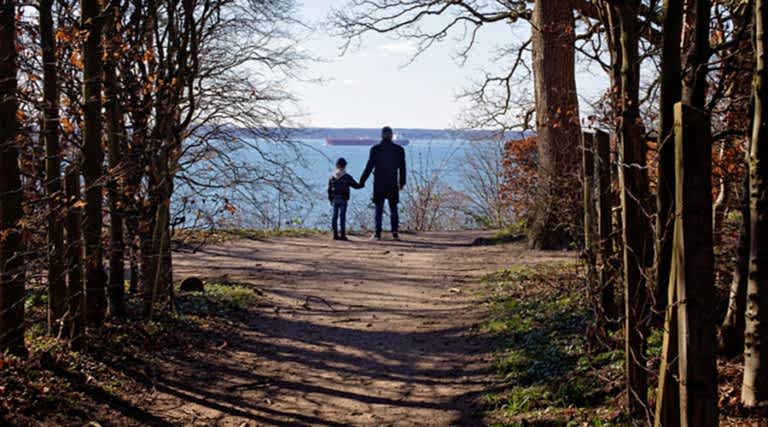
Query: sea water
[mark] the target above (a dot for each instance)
(297, 195)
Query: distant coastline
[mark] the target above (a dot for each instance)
(410, 133)
(323, 133)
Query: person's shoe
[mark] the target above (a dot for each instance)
(395, 237)
(343, 237)
(336, 237)
(376, 237)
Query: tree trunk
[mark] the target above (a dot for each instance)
(590, 222)
(741, 116)
(148, 246)
(93, 158)
(698, 21)
(731, 339)
(12, 272)
(755, 385)
(670, 93)
(167, 255)
(610, 18)
(721, 203)
(695, 287)
(57, 286)
(133, 210)
(115, 133)
(557, 213)
(668, 396)
(75, 256)
(634, 195)
(604, 197)
(160, 237)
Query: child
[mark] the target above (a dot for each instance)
(338, 194)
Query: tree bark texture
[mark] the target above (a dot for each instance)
(633, 179)
(670, 93)
(75, 257)
(590, 217)
(731, 339)
(755, 385)
(93, 158)
(57, 284)
(557, 211)
(12, 272)
(115, 135)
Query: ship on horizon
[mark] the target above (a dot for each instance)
(362, 141)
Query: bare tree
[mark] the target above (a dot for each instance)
(755, 386)
(206, 83)
(11, 244)
(483, 171)
(93, 157)
(633, 178)
(557, 118)
(114, 119)
(50, 135)
(429, 202)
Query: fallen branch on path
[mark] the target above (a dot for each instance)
(351, 319)
(310, 297)
(254, 384)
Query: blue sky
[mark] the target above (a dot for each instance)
(374, 85)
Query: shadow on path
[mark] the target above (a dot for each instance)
(397, 343)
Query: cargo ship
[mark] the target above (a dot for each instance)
(361, 141)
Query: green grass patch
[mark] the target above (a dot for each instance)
(539, 319)
(218, 298)
(513, 230)
(235, 296)
(36, 298)
(655, 342)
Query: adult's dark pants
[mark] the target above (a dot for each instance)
(339, 216)
(394, 220)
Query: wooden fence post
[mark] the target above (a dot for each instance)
(604, 205)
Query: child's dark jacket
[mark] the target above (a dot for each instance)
(339, 185)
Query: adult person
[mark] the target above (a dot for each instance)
(387, 162)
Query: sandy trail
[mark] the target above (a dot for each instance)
(349, 333)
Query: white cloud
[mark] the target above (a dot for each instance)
(351, 82)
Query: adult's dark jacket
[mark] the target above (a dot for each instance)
(387, 162)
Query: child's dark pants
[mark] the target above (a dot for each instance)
(339, 216)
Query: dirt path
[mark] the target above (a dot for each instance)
(349, 333)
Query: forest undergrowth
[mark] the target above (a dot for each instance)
(557, 368)
(550, 372)
(113, 380)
